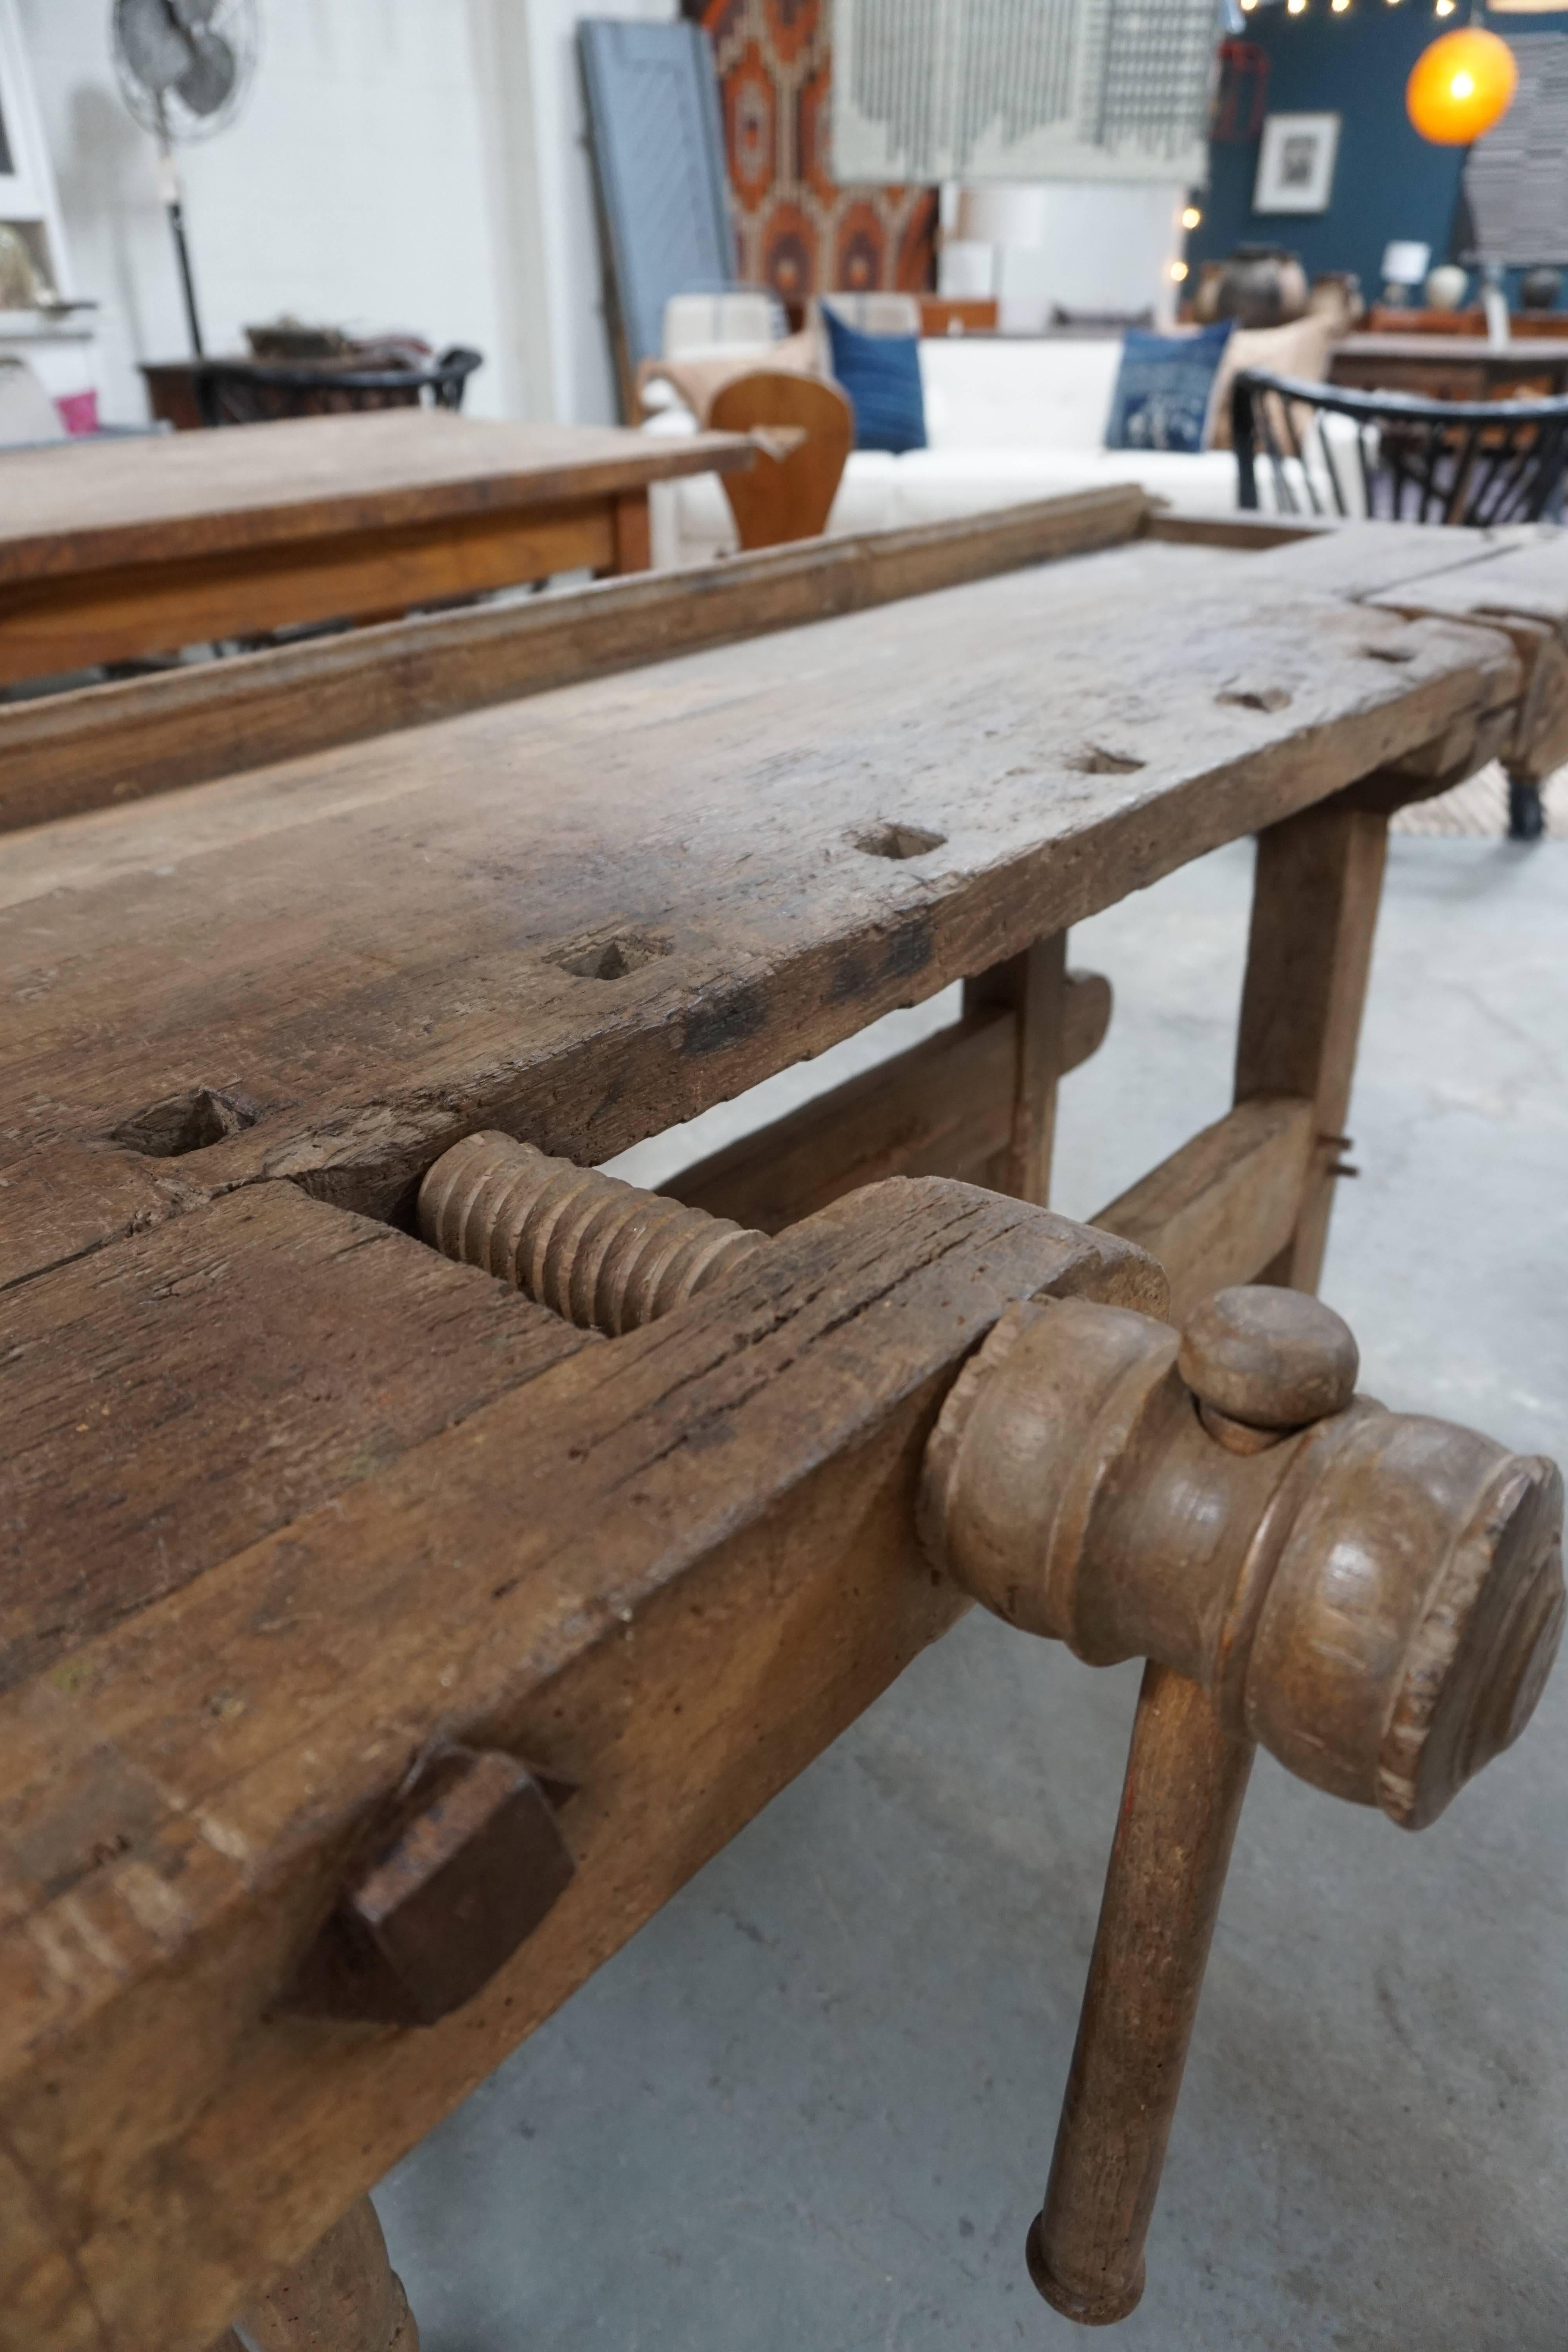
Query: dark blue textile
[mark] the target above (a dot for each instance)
(1162, 392)
(881, 375)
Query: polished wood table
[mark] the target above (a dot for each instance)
(1452, 367)
(122, 549)
(301, 1513)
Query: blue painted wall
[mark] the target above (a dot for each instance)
(1388, 181)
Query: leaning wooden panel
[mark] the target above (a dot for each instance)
(588, 918)
(670, 1586)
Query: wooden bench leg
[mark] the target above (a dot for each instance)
(1314, 910)
(344, 2296)
(1034, 985)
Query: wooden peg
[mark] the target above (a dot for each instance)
(463, 1871)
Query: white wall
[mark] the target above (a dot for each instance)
(1092, 246)
(542, 187)
(398, 163)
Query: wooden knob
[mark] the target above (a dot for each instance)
(1413, 1616)
(467, 1867)
(1376, 1597)
(1273, 1358)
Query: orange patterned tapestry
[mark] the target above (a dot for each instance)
(799, 231)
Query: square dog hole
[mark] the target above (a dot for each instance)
(898, 841)
(1094, 760)
(167, 1130)
(611, 957)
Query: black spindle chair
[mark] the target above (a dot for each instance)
(1470, 463)
(257, 392)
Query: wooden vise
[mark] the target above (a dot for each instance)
(1375, 1597)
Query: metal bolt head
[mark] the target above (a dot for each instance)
(1272, 1358)
(467, 1868)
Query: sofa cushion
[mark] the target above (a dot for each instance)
(881, 376)
(984, 392)
(880, 492)
(934, 486)
(1164, 390)
(1301, 349)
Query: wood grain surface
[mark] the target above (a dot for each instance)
(169, 1402)
(668, 1584)
(97, 746)
(111, 503)
(585, 918)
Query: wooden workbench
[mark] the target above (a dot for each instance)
(295, 1497)
(138, 547)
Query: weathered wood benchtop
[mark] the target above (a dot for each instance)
(596, 912)
(292, 1497)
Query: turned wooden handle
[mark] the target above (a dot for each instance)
(1377, 1598)
(1181, 1801)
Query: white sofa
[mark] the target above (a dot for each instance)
(1007, 420)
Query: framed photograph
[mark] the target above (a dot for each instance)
(1296, 164)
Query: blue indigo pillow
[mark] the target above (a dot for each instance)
(881, 375)
(1164, 388)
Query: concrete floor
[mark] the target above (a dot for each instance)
(810, 2108)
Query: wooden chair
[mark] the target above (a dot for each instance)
(805, 430)
(1473, 464)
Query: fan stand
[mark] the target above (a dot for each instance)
(169, 189)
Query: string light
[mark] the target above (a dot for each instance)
(1192, 217)
(1339, 6)
(1178, 270)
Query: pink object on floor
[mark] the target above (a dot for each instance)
(78, 412)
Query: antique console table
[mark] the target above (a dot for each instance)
(1452, 367)
(424, 1553)
(131, 548)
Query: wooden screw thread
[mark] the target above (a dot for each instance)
(1180, 1803)
(605, 1255)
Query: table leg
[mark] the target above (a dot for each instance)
(344, 2296)
(1034, 985)
(1314, 910)
(633, 541)
(1526, 817)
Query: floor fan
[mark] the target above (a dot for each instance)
(183, 67)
